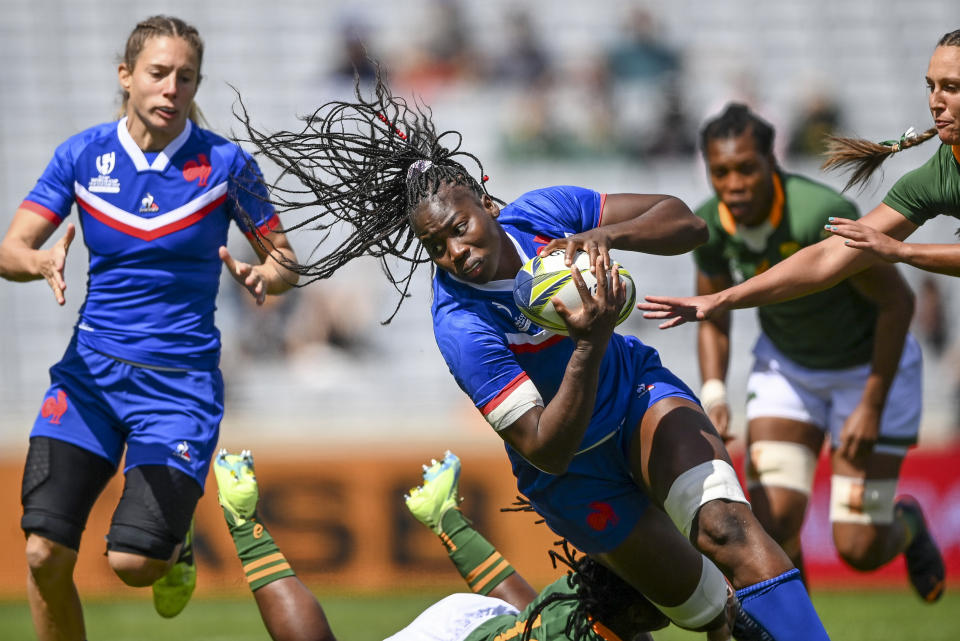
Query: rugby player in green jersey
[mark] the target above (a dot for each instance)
(856, 245)
(590, 603)
(862, 387)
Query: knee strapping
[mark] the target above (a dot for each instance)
(866, 501)
(781, 464)
(705, 604)
(698, 485)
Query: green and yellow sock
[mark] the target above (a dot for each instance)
(476, 559)
(262, 560)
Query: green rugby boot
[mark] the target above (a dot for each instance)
(172, 591)
(438, 493)
(238, 491)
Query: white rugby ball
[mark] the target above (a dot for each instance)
(543, 278)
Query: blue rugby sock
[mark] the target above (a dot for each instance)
(782, 606)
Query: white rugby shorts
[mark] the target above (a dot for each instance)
(779, 387)
(453, 618)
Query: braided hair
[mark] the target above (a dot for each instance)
(863, 157)
(361, 168)
(601, 595)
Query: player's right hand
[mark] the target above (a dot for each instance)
(596, 319)
(677, 311)
(54, 260)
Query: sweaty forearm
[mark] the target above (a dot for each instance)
(893, 323)
(810, 270)
(564, 420)
(666, 229)
(941, 259)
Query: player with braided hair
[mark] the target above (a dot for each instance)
(610, 447)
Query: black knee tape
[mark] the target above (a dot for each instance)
(61, 482)
(154, 512)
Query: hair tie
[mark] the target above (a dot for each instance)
(896, 145)
(418, 168)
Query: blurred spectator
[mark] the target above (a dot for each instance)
(673, 134)
(819, 117)
(532, 129)
(641, 55)
(353, 56)
(447, 56)
(524, 60)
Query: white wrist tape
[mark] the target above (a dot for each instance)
(705, 604)
(713, 393)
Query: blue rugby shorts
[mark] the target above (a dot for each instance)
(163, 417)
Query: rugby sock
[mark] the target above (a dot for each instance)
(782, 606)
(479, 563)
(262, 560)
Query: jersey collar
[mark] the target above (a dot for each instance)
(956, 152)
(773, 220)
(505, 285)
(136, 154)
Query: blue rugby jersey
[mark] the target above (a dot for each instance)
(152, 224)
(505, 363)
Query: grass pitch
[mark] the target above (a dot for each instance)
(848, 616)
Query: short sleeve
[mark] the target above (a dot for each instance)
(929, 190)
(53, 195)
(248, 198)
(485, 368)
(565, 208)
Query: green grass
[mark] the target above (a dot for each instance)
(848, 616)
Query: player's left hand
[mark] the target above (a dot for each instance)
(250, 276)
(860, 236)
(596, 319)
(595, 242)
(859, 434)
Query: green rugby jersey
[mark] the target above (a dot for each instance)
(929, 190)
(548, 626)
(832, 329)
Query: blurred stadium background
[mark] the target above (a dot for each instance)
(606, 94)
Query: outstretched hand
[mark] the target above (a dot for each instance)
(250, 276)
(677, 311)
(860, 236)
(54, 262)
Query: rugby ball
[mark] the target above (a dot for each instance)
(544, 277)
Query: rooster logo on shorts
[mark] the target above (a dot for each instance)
(53, 408)
(183, 450)
(602, 516)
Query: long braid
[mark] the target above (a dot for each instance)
(360, 169)
(863, 157)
